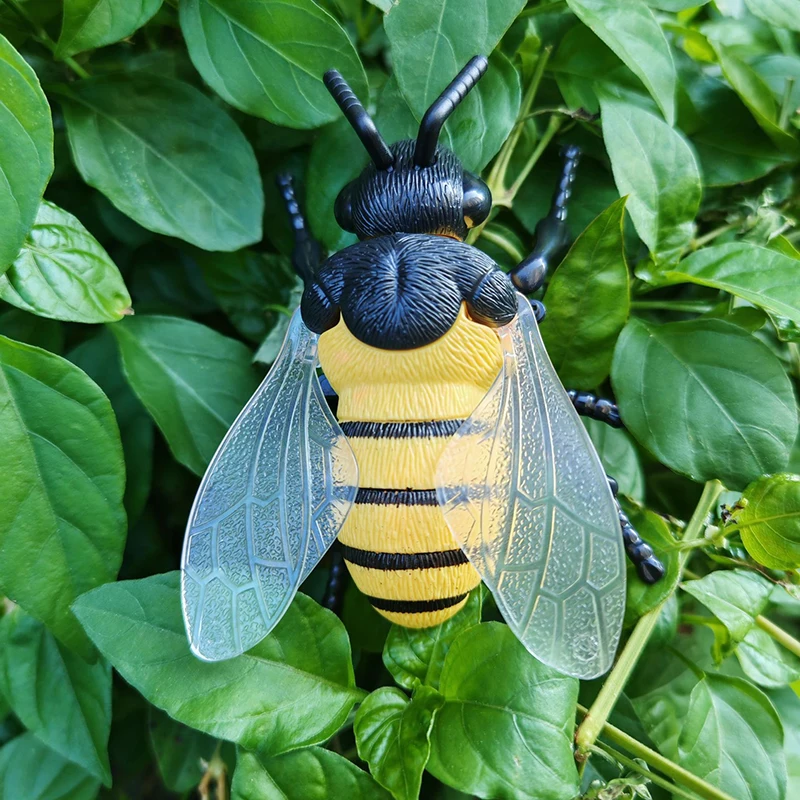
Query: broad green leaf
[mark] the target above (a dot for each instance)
(26, 150)
(507, 724)
(619, 456)
(415, 656)
(292, 690)
(721, 729)
(432, 40)
(393, 737)
(310, 774)
(267, 57)
(787, 704)
(757, 96)
(642, 598)
(587, 302)
(64, 273)
(191, 379)
(780, 13)
(94, 23)
(706, 398)
(630, 29)
(761, 275)
(655, 166)
(57, 695)
(62, 524)
(769, 522)
(180, 751)
(99, 358)
(249, 286)
(190, 173)
(30, 770)
(735, 597)
(766, 662)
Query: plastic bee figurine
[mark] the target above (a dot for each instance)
(457, 455)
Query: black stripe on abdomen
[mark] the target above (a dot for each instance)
(401, 430)
(396, 497)
(415, 606)
(396, 561)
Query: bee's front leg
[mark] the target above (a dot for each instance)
(587, 405)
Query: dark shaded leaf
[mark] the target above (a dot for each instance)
(179, 750)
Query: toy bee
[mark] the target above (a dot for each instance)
(457, 455)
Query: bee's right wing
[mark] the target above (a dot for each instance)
(272, 501)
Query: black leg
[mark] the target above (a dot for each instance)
(307, 254)
(649, 569)
(552, 234)
(587, 405)
(337, 583)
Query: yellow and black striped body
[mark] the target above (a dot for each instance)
(398, 409)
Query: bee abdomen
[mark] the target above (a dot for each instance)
(395, 561)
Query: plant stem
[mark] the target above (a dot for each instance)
(43, 37)
(686, 306)
(597, 716)
(553, 126)
(630, 764)
(503, 244)
(711, 235)
(669, 768)
(779, 634)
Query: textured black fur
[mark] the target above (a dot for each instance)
(404, 291)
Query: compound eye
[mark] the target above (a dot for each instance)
(343, 209)
(477, 200)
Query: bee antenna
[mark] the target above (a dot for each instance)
(441, 109)
(358, 117)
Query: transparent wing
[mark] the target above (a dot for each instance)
(527, 499)
(271, 503)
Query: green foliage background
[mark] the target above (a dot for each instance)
(139, 142)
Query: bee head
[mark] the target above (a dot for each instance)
(414, 186)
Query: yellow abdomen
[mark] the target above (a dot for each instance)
(399, 408)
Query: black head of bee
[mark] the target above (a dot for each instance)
(413, 186)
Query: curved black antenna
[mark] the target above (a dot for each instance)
(358, 117)
(437, 114)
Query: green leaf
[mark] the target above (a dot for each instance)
(62, 272)
(787, 704)
(393, 737)
(415, 656)
(706, 398)
(191, 379)
(292, 690)
(94, 23)
(619, 456)
(36, 669)
(268, 58)
(721, 729)
(780, 13)
(757, 96)
(29, 329)
(311, 774)
(642, 597)
(99, 358)
(30, 770)
(246, 284)
(507, 724)
(769, 522)
(190, 173)
(26, 150)
(630, 29)
(62, 524)
(587, 302)
(655, 165)
(179, 750)
(766, 662)
(760, 275)
(735, 597)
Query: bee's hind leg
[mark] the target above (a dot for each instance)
(337, 583)
(649, 568)
(587, 405)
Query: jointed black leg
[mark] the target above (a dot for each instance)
(587, 405)
(648, 567)
(307, 254)
(337, 583)
(552, 234)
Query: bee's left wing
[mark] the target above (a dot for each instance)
(527, 499)
(272, 501)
